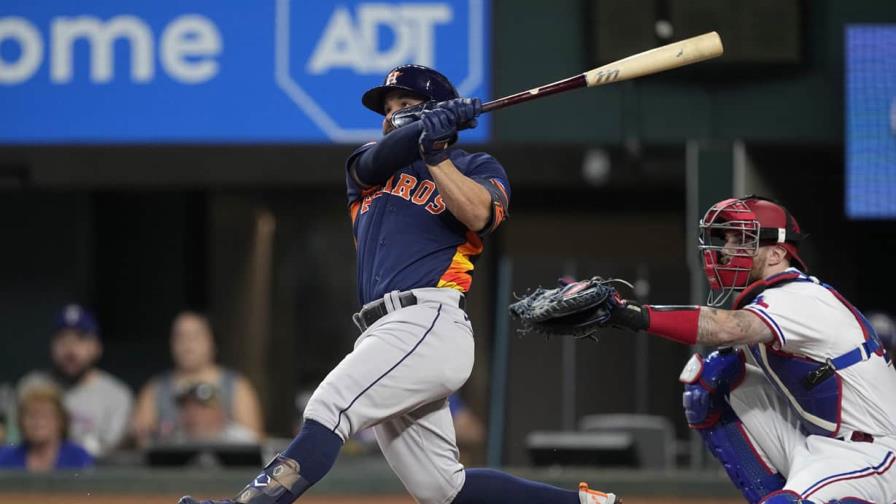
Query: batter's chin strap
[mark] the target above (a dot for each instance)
(279, 483)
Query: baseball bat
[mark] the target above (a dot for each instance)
(674, 55)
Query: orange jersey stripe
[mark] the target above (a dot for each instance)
(353, 210)
(459, 274)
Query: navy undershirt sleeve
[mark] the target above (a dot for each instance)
(395, 151)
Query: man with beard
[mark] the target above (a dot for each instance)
(798, 403)
(99, 403)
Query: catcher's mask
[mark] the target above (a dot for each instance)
(731, 233)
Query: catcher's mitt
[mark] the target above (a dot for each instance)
(578, 308)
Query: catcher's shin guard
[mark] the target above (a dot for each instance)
(707, 385)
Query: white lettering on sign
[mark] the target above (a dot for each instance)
(101, 37)
(188, 48)
(31, 50)
(189, 45)
(355, 43)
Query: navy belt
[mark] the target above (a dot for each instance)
(376, 310)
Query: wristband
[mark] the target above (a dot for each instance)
(676, 323)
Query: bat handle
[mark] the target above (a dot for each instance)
(493, 105)
(576, 81)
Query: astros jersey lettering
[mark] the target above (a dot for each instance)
(406, 238)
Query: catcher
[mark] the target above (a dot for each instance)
(798, 405)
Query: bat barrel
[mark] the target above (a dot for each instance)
(674, 55)
(660, 59)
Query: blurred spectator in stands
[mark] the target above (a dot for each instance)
(99, 404)
(43, 423)
(193, 352)
(468, 430)
(202, 419)
(8, 399)
(885, 327)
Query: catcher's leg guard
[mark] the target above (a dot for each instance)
(791, 497)
(783, 497)
(707, 385)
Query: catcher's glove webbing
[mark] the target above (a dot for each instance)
(576, 309)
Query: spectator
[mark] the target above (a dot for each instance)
(193, 352)
(43, 423)
(468, 430)
(885, 327)
(201, 418)
(99, 404)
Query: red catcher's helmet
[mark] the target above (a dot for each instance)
(758, 221)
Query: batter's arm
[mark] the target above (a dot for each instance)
(731, 327)
(466, 199)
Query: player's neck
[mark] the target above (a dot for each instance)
(774, 270)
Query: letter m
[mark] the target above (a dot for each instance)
(101, 37)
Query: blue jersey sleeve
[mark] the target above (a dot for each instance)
(353, 188)
(486, 170)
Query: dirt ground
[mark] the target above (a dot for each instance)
(33, 498)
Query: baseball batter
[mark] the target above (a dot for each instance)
(804, 409)
(420, 208)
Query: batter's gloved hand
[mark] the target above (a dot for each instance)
(439, 130)
(466, 110)
(576, 308)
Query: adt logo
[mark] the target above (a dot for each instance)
(328, 54)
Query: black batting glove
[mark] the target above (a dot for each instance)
(439, 129)
(466, 110)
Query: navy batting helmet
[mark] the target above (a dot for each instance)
(416, 79)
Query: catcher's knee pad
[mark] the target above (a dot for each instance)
(279, 483)
(707, 384)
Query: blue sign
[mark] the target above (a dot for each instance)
(871, 121)
(213, 71)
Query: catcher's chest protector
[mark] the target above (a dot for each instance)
(812, 385)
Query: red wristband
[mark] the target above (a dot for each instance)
(676, 323)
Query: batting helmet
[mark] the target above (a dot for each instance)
(759, 221)
(423, 81)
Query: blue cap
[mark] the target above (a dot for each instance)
(417, 79)
(76, 317)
